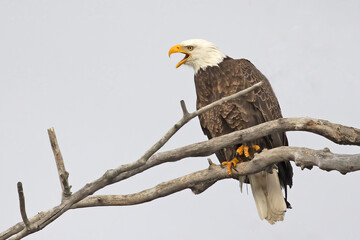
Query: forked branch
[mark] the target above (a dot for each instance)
(306, 158)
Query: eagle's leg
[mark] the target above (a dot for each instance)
(243, 153)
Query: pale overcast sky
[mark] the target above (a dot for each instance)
(98, 71)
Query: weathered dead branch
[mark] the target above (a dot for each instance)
(303, 157)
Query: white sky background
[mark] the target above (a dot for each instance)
(98, 71)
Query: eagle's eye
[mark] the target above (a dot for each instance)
(190, 48)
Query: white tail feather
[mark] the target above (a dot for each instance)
(268, 197)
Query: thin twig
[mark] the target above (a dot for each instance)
(63, 174)
(225, 99)
(184, 109)
(22, 205)
(188, 116)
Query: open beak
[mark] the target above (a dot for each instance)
(178, 49)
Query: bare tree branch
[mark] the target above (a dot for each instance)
(304, 157)
(63, 174)
(108, 177)
(335, 132)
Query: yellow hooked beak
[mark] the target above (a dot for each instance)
(178, 49)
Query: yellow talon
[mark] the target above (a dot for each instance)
(229, 164)
(246, 151)
(240, 150)
(256, 147)
(235, 161)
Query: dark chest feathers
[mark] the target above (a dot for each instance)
(229, 77)
(259, 106)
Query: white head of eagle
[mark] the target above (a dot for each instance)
(199, 54)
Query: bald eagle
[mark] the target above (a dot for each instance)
(217, 76)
